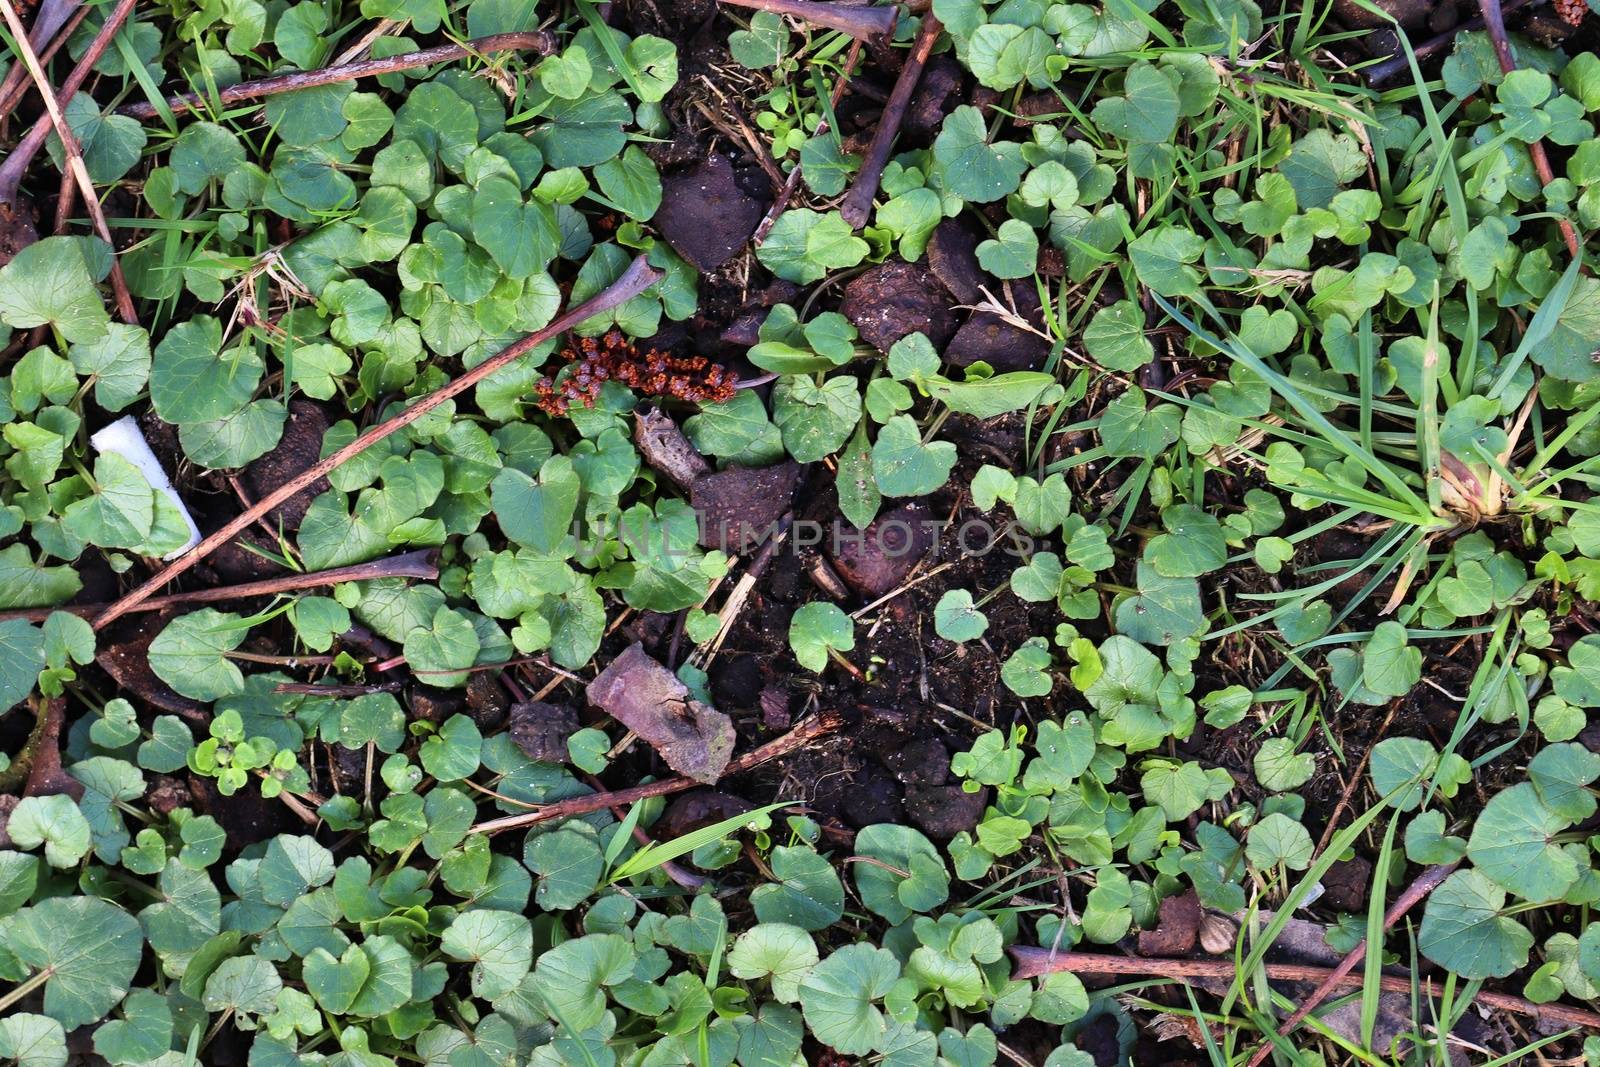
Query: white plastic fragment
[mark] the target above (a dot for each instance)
(124, 439)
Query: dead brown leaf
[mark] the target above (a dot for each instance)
(696, 740)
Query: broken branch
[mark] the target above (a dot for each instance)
(69, 141)
(1378, 73)
(528, 41)
(802, 735)
(15, 84)
(1425, 883)
(1494, 20)
(859, 22)
(636, 279)
(1034, 962)
(666, 449)
(857, 204)
(418, 564)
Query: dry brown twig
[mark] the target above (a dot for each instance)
(527, 41)
(69, 142)
(418, 564)
(812, 729)
(1036, 962)
(636, 279)
(1425, 883)
(857, 204)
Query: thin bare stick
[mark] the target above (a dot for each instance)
(355, 51)
(741, 592)
(16, 164)
(1425, 883)
(636, 279)
(74, 153)
(1378, 73)
(802, 735)
(861, 23)
(681, 876)
(1033, 962)
(792, 184)
(526, 41)
(15, 84)
(857, 204)
(418, 564)
(905, 586)
(311, 689)
(1494, 21)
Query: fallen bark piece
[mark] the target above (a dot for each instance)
(641, 694)
(666, 449)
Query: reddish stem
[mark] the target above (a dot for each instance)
(857, 205)
(15, 83)
(528, 41)
(16, 164)
(636, 279)
(1034, 962)
(1494, 21)
(73, 153)
(1426, 883)
(801, 735)
(418, 564)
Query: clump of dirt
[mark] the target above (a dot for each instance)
(740, 506)
(706, 215)
(895, 300)
(541, 730)
(884, 553)
(1002, 341)
(953, 257)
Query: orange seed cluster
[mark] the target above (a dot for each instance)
(615, 357)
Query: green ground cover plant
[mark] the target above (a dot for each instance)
(1268, 387)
